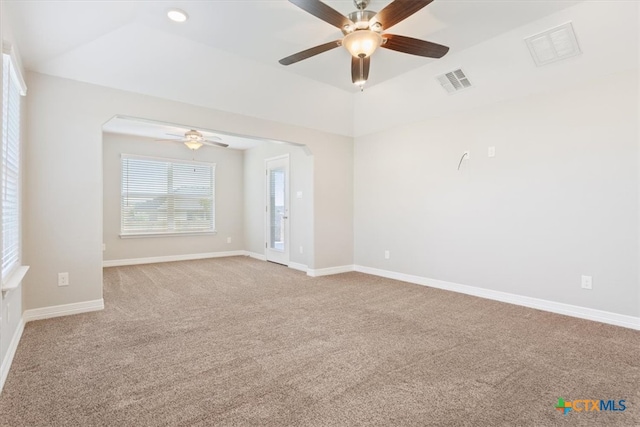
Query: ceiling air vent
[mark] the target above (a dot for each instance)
(454, 81)
(553, 45)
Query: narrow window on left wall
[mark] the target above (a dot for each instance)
(13, 89)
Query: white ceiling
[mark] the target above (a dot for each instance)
(63, 38)
(501, 69)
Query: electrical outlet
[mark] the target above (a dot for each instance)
(301, 249)
(63, 279)
(491, 151)
(228, 239)
(587, 282)
(387, 255)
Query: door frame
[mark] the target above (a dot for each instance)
(287, 224)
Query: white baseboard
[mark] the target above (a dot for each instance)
(63, 310)
(262, 257)
(539, 304)
(329, 271)
(255, 255)
(298, 266)
(170, 258)
(11, 352)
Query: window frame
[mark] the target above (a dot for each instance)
(171, 231)
(13, 273)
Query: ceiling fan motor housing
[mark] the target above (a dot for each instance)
(361, 20)
(193, 135)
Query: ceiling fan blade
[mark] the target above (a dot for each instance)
(214, 144)
(167, 140)
(324, 12)
(212, 138)
(414, 46)
(360, 69)
(309, 53)
(177, 136)
(397, 11)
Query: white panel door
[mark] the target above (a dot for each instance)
(277, 210)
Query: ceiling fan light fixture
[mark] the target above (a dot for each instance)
(177, 15)
(362, 43)
(193, 145)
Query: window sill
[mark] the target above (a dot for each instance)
(176, 234)
(14, 281)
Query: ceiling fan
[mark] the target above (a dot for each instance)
(194, 140)
(364, 32)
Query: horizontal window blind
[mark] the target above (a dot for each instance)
(10, 169)
(166, 196)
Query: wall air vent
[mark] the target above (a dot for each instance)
(454, 81)
(553, 45)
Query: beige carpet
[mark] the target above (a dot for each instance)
(239, 342)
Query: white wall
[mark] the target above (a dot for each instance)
(229, 200)
(63, 197)
(301, 209)
(559, 200)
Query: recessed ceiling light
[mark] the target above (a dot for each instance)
(177, 15)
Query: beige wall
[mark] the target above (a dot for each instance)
(229, 200)
(63, 197)
(301, 209)
(559, 200)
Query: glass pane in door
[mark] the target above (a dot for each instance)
(277, 208)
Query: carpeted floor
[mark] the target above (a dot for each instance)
(239, 342)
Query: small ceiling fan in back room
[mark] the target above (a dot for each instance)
(364, 31)
(194, 140)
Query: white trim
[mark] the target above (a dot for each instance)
(170, 258)
(298, 266)
(255, 255)
(168, 234)
(16, 71)
(330, 271)
(15, 279)
(537, 303)
(280, 157)
(11, 352)
(63, 310)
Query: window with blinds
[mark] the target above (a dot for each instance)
(163, 196)
(10, 176)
